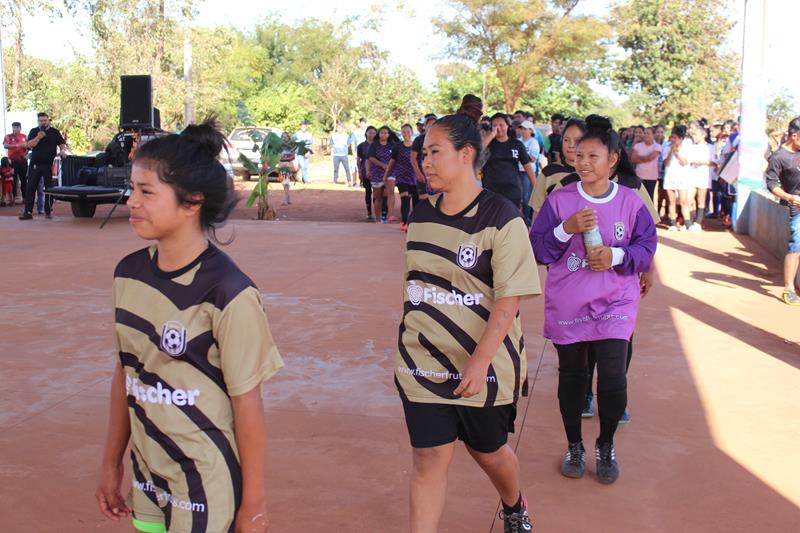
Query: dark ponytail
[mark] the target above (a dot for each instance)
(188, 163)
(462, 128)
(600, 129)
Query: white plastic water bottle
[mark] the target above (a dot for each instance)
(592, 238)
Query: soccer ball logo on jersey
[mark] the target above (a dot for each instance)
(619, 231)
(467, 255)
(173, 338)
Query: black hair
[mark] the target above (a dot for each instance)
(42, 114)
(679, 130)
(370, 128)
(430, 116)
(557, 116)
(362, 119)
(407, 125)
(393, 139)
(188, 163)
(500, 115)
(462, 131)
(574, 122)
(16, 124)
(5, 162)
(794, 125)
(600, 129)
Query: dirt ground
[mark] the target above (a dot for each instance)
(713, 385)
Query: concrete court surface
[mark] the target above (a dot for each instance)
(713, 388)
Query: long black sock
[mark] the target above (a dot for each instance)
(384, 207)
(405, 207)
(673, 222)
(517, 507)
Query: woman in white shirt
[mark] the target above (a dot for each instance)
(677, 181)
(696, 151)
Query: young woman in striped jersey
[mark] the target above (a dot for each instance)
(194, 348)
(461, 363)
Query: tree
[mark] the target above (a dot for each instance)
(338, 89)
(675, 66)
(16, 11)
(780, 111)
(525, 41)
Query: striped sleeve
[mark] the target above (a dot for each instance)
(513, 265)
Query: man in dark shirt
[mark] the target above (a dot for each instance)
(416, 157)
(554, 155)
(45, 142)
(783, 180)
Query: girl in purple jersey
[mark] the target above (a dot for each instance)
(592, 296)
(401, 168)
(380, 152)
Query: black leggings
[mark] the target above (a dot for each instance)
(368, 195)
(593, 362)
(612, 386)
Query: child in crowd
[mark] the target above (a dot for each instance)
(6, 182)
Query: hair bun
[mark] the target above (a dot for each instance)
(471, 106)
(205, 137)
(597, 122)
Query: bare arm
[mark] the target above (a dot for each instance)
(529, 171)
(109, 494)
(500, 320)
(251, 440)
(378, 162)
(415, 164)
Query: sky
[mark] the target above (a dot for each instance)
(406, 33)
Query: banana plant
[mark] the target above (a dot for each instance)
(270, 156)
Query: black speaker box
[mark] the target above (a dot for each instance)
(136, 102)
(156, 119)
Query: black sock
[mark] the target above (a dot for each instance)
(405, 207)
(517, 507)
(673, 222)
(700, 214)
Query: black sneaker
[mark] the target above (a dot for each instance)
(26, 216)
(48, 216)
(607, 467)
(517, 522)
(574, 463)
(588, 407)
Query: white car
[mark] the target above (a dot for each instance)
(247, 141)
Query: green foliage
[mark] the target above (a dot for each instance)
(283, 105)
(270, 153)
(780, 111)
(675, 67)
(526, 42)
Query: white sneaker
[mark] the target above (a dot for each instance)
(673, 228)
(695, 228)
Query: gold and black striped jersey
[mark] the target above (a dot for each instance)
(188, 341)
(457, 267)
(556, 176)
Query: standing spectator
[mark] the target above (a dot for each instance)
(526, 130)
(645, 156)
(677, 181)
(696, 151)
(6, 182)
(783, 180)
(340, 144)
(554, 154)
(417, 157)
(304, 136)
(362, 159)
(14, 142)
(501, 171)
(44, 142)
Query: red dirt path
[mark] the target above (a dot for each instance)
(713, 386)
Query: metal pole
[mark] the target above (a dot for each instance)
(2, 85)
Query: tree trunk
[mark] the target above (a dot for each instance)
(188, 112)
(20, 7)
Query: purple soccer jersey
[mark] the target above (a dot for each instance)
(581, 304)
(403, 171)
